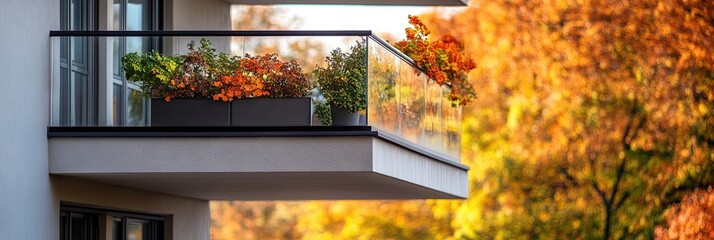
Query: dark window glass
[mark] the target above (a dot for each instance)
(118, 229)
(78, 226)
(78, 223)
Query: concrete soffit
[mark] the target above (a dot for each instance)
(260, 168)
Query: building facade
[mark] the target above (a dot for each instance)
(71, 169)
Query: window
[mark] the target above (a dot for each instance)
(129, 106)
(81, 86)
(78, 223)
(78, 226)
(77, 64)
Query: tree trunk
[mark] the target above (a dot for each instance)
(608, 216)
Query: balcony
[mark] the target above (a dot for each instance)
(405, 145)
(359, 2)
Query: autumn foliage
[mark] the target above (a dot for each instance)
(199, 70)
(203, 73)
(263, 75)
(595, 121)
(443, 60)
(692, 218)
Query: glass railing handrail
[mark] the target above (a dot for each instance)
(395, 51)
(217, 33)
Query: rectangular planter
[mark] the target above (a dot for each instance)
(271, 112)
(190, 112)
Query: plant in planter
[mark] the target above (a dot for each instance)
(267, 92)
(187, 79)
(187, 76)
(344, 83)
(153, 71)
(202, 67)
(443, 60)
(263, 75)
(210, 89)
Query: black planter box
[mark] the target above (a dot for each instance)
(343, 117)
(190, 112)
(271, 111)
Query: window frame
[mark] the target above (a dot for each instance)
(156, 224)
(126, 87)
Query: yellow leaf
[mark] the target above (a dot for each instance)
(703, 109)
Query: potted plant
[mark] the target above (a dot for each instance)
(266, 92)
(443, 60)
(344, 84)
(203, 88)
(181, 87)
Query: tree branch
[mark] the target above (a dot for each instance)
(624, 197)
(600, 193)
(571, 179)
(616, 185)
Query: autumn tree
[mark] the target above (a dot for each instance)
(595, 118)
(254, 220)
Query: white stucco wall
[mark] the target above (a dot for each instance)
(190, 217)
(26, 209)
(29, 197)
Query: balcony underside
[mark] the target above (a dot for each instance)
(358, 2)
(345, 163)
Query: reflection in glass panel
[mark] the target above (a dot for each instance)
(411, 91)
(431, 124)
(117, 104)
(452, 128)
(383, 72)
(136, 109)
(419, 110)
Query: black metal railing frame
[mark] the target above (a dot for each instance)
(369, 38)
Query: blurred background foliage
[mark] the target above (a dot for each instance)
(595, 120)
